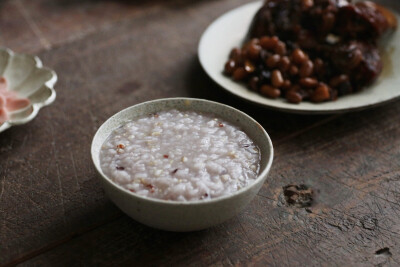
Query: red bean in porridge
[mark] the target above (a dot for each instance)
(180, 156)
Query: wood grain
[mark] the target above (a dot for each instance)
(16, 32)
(112, 54)
(353, 216)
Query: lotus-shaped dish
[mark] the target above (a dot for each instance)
(26, 79)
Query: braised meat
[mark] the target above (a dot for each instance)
(337, 39)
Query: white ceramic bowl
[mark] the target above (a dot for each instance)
(26, 75)
(183, 216)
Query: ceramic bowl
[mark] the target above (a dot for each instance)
(183, 216)
(27, 77)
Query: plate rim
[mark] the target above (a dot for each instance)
(294, 109)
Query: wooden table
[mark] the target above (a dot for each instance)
(113, 54)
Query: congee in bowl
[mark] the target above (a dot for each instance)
(180, 156)
(181, 164)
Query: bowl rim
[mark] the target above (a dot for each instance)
(262, 175)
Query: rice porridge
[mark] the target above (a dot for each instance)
(180, 156)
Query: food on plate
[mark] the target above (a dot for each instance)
(180, 156)
(9, 101)
(314, 50)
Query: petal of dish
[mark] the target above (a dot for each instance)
(18, 69)
(14, 104)
(34, 82)
(22, 116)
(4, 57)
(40, 95)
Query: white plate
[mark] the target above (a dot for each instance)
(26, 75)
(229, 30)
